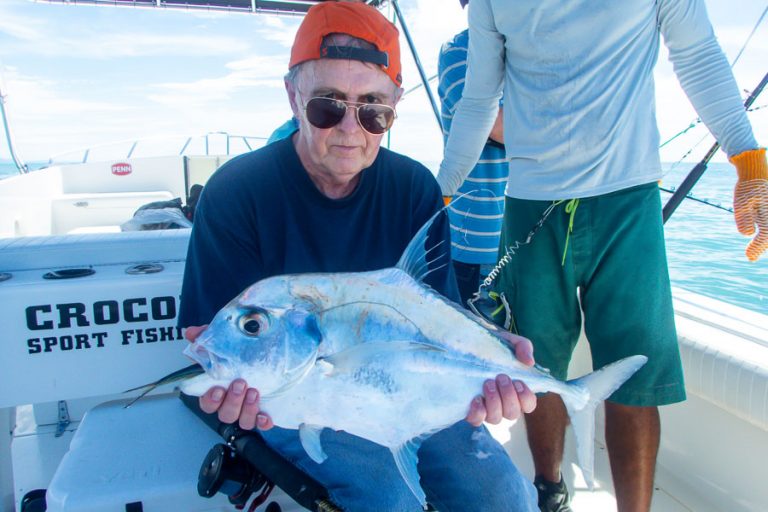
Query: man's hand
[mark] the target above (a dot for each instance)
(503, 397)
(237, 403)
(750, 199)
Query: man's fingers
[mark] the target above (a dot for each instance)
(230, 409)
(476, 414)
(524, 352)
(522, 346)
(493, 406)
(510, 405)
(251, 416)
(193, 331)
(525, 396)
(211, 400)
(264, 422)
(250, 410)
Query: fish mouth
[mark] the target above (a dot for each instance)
(211, 362)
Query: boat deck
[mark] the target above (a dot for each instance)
(669, 495)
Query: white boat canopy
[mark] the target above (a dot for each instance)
(260, 6)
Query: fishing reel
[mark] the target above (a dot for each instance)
(491, 306)
(225, 471)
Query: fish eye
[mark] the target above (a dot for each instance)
(254, 323)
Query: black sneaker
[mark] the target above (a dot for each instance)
(553, 497)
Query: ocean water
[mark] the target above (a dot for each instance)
(704, 249)
(9, 168)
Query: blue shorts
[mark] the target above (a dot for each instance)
(462, 468)
(614, 271)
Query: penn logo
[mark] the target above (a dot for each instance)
(121, 169)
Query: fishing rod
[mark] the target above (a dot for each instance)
(419, 85)
(20, 165)
(696, 173)
(419, 67)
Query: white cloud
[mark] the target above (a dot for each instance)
(127, 44)
(20, 27)
(56, 105)
(36, 98)
(250, 73)
(37, 30)
(279, 29)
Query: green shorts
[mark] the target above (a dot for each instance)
(615, 271)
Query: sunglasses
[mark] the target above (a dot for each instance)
(374, 118)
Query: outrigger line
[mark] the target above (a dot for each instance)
(696, 173)
(698, 199)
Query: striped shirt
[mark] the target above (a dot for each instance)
(475, 217)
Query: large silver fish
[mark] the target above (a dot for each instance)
(378, 355)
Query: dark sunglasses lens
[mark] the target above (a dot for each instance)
(376, 119)
(325, 112)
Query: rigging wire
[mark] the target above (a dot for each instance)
(697, 121)
(759, 21)
(696, 173)
(675, 165)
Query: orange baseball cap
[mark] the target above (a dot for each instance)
(356, 19)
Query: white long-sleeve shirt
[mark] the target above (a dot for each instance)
(579, 108)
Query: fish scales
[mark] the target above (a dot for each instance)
(388, 304)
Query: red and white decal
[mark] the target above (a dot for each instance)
(121, 169)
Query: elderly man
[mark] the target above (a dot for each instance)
(329, 199)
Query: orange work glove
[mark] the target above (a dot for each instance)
(750, 199)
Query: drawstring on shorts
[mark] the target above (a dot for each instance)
(570, 208)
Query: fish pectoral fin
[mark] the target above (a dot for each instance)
(364, 353)
(406, 459)
(310, 441)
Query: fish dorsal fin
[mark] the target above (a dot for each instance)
(359, 355)
(415, 259)
(309, 435)
(406, 459)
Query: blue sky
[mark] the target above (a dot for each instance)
(80, 76)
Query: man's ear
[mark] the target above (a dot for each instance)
(398, 94)
(290, 88)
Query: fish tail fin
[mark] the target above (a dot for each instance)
(599, 385)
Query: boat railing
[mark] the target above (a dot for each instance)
(208, 144)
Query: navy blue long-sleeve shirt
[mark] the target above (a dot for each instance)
(260, 215)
